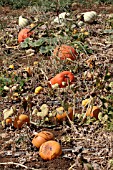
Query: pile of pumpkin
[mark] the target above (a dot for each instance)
(48, 147)
(44, 140)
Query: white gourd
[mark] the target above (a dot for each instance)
(23, 21)
(90, 17)
(61, 18)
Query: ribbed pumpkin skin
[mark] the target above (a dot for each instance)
(65, 52)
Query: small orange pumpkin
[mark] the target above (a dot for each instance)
(8, 121)
(50, 150)
(65, 52)
(20, 120)
(62, 79)
(42, 137)
(93, 112)
(23, 34)
(62, 115)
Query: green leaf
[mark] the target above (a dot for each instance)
(45, 50)
(27, 40)
(24, 45)
(39, 42)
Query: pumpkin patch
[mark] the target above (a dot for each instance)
(56, 85)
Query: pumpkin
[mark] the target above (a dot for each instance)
(70, 113)
(42, 137)
(93, 111)
(29, 71)
(23, 34)
(22, 22)
(11, 66)
(62, 115)
(50, 150)
(65, 52)
(62, 79)
(8, 121)
(38, 89)
(61, 18)
(20, 120)
(89, 17)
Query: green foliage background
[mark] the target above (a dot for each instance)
(50, 5)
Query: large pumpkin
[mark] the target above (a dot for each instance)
(50, 150)
(65, 52)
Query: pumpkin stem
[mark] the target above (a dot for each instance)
(39, 24)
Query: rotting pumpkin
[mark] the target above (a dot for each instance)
(50, 150)
(62, 79)
(8, 121)
(65, 52)
(93, 111)
(42, 137)
(23, 34)
(20, 120)
(62, 114)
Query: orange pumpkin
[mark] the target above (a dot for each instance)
(42, 137)
(93, 112)
(8, 121)
(50, 150)
(23, 34)
(62, 79)
(20, 120)
(62, 115)
(65, 52)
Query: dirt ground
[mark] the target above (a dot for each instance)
(84, 147)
